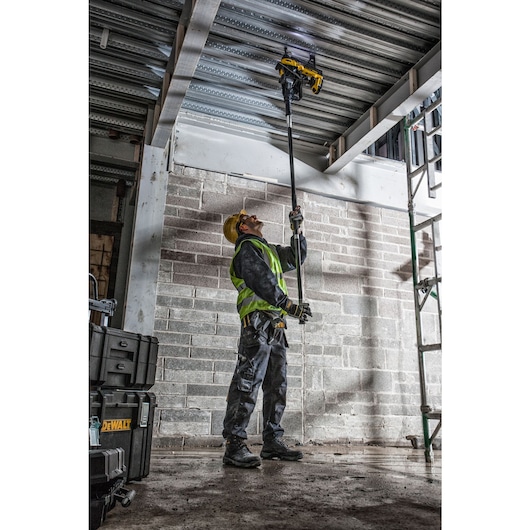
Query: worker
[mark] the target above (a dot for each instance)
(257, 271)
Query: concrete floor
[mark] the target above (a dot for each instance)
(332, 488)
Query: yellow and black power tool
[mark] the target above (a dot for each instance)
(294, 73)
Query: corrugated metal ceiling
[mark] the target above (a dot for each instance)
(362, 47)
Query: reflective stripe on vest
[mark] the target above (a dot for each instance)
(247, 300)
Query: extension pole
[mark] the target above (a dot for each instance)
(287, 94)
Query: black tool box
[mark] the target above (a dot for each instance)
(121, 359)
(106, 464)
(126, 418)
(107, 478)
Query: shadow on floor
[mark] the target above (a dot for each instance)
(332, 488)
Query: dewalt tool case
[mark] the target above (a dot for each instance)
(126, 418)
(107, 478)
(121, 359)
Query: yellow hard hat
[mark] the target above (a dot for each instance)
(229, 228)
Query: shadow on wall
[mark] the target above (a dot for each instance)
(404, 272)
(368, 382)
(401, 370)
(424, 258)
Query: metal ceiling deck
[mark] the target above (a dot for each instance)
(362, 47)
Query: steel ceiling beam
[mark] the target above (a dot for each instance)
(188, 55)
(407, 94)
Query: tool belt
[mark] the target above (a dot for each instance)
(267, 324)
(263, 319)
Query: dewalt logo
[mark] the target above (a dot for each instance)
(116, 425)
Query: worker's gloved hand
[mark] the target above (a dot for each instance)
(300, 311)
(295, 217)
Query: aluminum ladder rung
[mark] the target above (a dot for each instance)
(436, 187)
(434, 415)
(430, 347)
(435, 130)
(428, 222)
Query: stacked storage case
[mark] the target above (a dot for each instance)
(122, 368)
(126, 418)
(121, 359)
(107, 478)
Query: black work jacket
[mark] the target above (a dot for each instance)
(250, 265)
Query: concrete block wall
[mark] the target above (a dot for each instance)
(353, 374)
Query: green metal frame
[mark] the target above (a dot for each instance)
(424, 177)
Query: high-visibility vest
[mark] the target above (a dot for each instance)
(247, 300)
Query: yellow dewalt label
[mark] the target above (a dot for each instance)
(116, 425)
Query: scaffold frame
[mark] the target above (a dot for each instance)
(423, 156)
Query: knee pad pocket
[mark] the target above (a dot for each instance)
(246, 378)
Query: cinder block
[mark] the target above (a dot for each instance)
(188, 377)
(168, 339)
(169, 401)
(379, 327)
(205, 341)
(206, 402)
(360, 305)
(184, 421)
(314, 402)
(193, 328)
(172, 350)
(207, 389)
(376, 380)
(189, 365)
(341, 380)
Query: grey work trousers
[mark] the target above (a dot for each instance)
(262, 362)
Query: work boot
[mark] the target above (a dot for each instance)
(237, 453)
(276, 448)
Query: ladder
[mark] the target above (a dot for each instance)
(422, 133)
